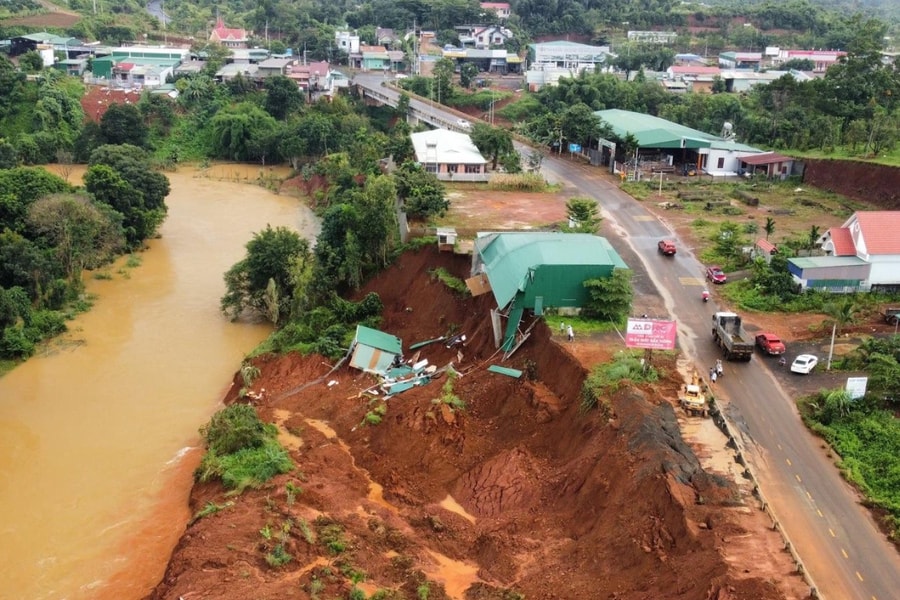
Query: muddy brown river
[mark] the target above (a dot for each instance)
(99, 433)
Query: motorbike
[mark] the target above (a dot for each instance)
(705, 295)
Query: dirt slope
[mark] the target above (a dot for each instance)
(518, 495)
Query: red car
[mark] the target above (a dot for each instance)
(770, 343)
(666, 247)
(716, 274)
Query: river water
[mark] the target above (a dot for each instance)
(98, 435)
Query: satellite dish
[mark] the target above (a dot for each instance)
(727, 130)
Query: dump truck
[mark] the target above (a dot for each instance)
(693, 401)
(729, 334)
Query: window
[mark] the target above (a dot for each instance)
(721, 163)
(431, 168)
(453, 168)
(473, 168)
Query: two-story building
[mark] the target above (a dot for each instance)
(230, 37)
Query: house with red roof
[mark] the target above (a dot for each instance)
(501, 9)
(863, 254)
(228, 36)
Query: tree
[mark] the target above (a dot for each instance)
(31, 62)
(243, 133)
(124, 124)
(610, 297)
(442, 81)
(422, 194)
(492, 142)
(841, 312)
(271, 256)
(283, 97)
(728, 241)
(19, 188)
(83, 234)
(583, 214)
(135, 189)
(769, 227)
(812, 237)
(467, 74)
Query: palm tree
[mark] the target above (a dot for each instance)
(814, 233)
(769, 227)
(842, 312)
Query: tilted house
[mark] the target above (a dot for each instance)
(866, 246)
(530, 271)
(374, 351)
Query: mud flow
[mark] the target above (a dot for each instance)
(518, 495)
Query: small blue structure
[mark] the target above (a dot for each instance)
(374, 351)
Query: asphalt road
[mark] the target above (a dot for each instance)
(835, 537)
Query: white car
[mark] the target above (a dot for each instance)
(804, 364)
(463, 124)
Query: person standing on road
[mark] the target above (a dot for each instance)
(719, 370)
(713, 377)
(570, 333)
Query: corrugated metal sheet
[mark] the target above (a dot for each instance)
(549, 264)
(378, 339)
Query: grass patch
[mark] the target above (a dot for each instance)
(582, 325)
(331, 535)
(211, 508)
(102, 275)
(278, 556)
(454, 283)
(517, 182)
(866, 439)
(606, 378)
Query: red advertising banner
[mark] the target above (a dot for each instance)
(654, 334)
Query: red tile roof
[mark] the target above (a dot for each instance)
(879, 231)
(766, 158)
(766, 246)
(228, 33)
(843, 241)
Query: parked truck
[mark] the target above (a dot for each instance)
(729, 334)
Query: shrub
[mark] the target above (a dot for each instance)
(278, 556)
(608, 377)
(250, 467)
(234, 428)
(444, 276)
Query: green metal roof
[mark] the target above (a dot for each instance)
(653, 132)
(511, 260)
(806, 262)
(378, 339)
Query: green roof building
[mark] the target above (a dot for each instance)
(374, 351)
(710, 154)
(535, 270)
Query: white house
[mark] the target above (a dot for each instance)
(347, 42)
(870, 236)
(449, 155)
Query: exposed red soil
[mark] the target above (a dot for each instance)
(97, 99)
(869, 183)
(552, 503)
(55, 17)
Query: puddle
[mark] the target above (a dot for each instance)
(376, 490)
(286, 438)
(376, 495)
(456, 576)
(449, 503)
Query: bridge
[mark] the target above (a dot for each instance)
(372, 87)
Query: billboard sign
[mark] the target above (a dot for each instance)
(856, 387)
(653, 334)
(574, 147)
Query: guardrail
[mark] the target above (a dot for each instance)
(734, 442)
